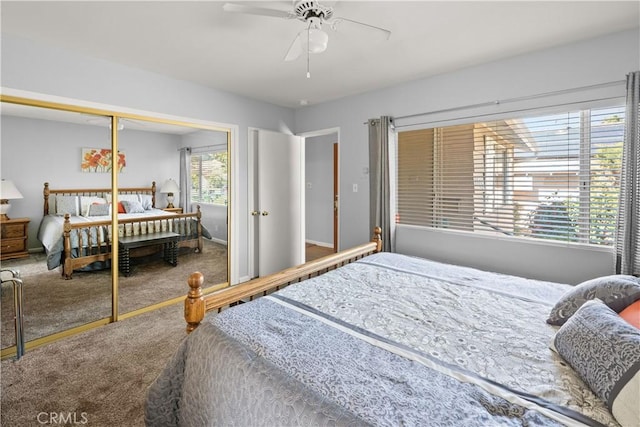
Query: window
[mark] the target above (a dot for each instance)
(209, 177)
(554, 177)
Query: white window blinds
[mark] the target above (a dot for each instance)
(553, 176)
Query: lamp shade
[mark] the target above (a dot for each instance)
(8, 191)
(170, 186)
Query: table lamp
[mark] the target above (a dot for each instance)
(169, 187)
(8, 191)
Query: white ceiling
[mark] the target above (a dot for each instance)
(197, 41)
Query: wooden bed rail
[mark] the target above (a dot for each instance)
(93, 239)
(196, 305)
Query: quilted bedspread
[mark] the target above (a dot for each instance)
(388, 340)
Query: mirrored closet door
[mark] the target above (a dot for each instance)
(161, 203)
(189, 166)
(41, 145)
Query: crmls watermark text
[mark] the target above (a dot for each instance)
(62, 418)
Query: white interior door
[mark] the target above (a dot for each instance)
(278, 211)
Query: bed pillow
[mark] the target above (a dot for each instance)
(87, 201)
(66, 204)
(632, 314)
(605, 351)
(123, 198)
(99, 209)
(132, 206)
(146, 201)
(618, 291)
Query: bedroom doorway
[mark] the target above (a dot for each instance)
(322, 199)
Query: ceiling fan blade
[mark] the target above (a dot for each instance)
(337, 20)
(241, 8)
(295, 50)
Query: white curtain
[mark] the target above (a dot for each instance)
(185, 179)
(382, 179)
(628, 227)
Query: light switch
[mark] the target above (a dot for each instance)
(355, 188)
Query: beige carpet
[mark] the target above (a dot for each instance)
(52, 304)
(99, 376)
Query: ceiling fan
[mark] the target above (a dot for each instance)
(312, 39)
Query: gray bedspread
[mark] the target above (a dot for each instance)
(389, 340)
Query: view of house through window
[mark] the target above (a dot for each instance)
(209, 177)
(555, 176)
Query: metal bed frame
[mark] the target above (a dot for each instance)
(18, 299)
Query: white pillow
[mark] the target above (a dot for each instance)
(146, 201)
(66, 204)
(86, 201)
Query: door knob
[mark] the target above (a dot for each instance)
(265, 213)
(254, 213)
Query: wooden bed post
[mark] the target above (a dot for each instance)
(153, 194)
(199, 216)
(377, 237)
(194, 303)
(46, 193)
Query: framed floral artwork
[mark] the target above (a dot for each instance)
(101, 160)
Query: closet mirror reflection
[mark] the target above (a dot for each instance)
(190, 168)
(175, 171)
(41, 145)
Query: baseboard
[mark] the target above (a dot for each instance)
(220, 241)
(323, 244)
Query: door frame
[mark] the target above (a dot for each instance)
(336, 176)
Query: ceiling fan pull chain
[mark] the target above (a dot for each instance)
(309, 51)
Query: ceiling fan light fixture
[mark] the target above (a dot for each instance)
(314, 40)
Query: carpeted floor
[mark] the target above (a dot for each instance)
(52, 304)
(97, 378)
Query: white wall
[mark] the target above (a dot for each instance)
(597, 61)
(34, 67)
(319, 189)
(552, 261)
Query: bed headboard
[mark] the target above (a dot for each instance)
(98, 192)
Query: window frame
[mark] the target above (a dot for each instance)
(200, 154)
(584, 177)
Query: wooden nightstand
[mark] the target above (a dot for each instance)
(175, 210)
(13, 238)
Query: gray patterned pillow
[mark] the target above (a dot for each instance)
(66, 204)
(99, 209)
(617, 291)
(605, 351)
(131, 206)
